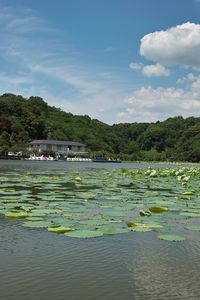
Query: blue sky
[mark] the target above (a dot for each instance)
(114, 60)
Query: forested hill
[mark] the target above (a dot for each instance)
(22, 120)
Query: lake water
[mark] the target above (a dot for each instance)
(37, 265)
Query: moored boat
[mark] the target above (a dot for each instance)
(106, 160)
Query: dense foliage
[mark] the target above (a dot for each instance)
(22, 120)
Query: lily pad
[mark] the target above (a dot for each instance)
(145, 213)
(193, 227)
(171, 237)
(156, 209)
(16, 214)
(36, 224)
(113, 229)
(60, 229)
(34, 218)
(140, 228)
(84, 234)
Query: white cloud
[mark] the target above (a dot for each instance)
(150, 70)
(188, 78)
(155, 70)
(178, 45)
(135, 66)
(42, 64)
(150, 104)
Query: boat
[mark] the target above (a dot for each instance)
(42, 157)
(105, 160)
(78, 159)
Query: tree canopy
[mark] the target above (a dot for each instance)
(22, 120)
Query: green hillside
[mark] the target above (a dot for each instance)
(22, 120)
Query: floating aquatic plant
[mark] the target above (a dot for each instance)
(92, 203)
(171, 237)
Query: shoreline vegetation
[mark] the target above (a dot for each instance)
(23, 120)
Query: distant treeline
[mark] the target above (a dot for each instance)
(22, 120)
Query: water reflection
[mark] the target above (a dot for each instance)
(165, 271)
(117, 267)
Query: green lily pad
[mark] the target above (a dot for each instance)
(193, 227)
(84, 234)
(140, 228)
(60, 229)
(34, 218)
(131, 224)
(153, 225)
(188, 193)
(16, 214)
(156, 209)
(113, 229)
(36, 224)
(171, 237)
(145, 213)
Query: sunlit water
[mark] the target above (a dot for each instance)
(37, 265)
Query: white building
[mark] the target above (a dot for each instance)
(59, 147)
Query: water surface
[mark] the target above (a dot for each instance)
(38, 265)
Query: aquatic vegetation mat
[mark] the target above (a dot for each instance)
(91, 203)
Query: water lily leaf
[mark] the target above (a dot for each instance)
(131, 224)
(60, 229)
(84, 233)
(34, 218)
(36, 224)
(113, 229)
(8, 201)
(193, 227)
(7, 191)
(78, 178)
(171, 237)
(154, 225)
(156, 209)
(188, 193)
(143, 213)
(140, 228)
(16, 214)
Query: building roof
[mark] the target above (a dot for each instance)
(55, 142)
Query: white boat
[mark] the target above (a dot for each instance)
(79, 159)
(42, 157)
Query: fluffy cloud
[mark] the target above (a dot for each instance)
(150, 70)
(150, 104)
(135, 66)
(189, 77)
(178, 45)
(155, 70)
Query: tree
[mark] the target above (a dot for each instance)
(4, 143)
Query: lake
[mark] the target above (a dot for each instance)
(36, 264)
